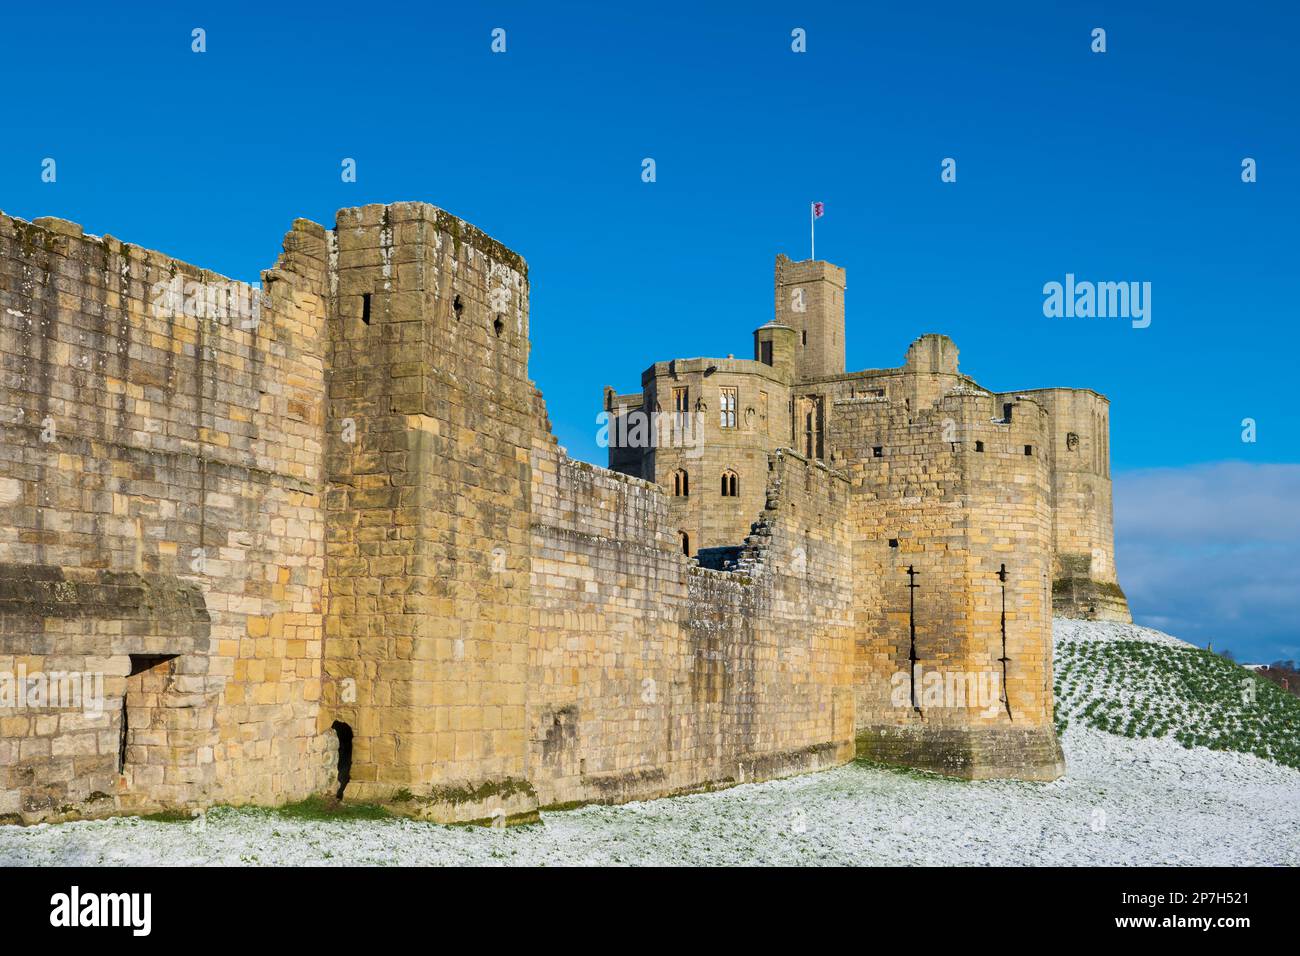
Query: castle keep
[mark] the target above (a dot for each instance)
(262, 544)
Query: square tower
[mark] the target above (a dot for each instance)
(810, 300)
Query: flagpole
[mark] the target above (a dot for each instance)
(812, 230)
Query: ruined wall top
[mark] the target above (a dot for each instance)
(933, 354)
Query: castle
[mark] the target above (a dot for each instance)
(317, 537)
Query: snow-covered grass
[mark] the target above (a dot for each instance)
(1124, 801)
(1138, 682)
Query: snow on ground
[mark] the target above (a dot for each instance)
(1122, 802)
(1136, 682)
(1067, 631)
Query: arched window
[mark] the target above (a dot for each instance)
(730, 484)
(681, 483)
(686, 542)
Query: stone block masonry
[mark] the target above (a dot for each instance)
(318, 538)
(161, 526)
(649, 675)
(427, 574)
(972, 517)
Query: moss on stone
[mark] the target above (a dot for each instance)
(500, 789)
(462, 233)
(330, 808)
(168, 816)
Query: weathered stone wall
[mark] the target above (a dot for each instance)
(649, 675)
(329, 544)
(810, 300)
(1084, 578)
(705, 450)
(959, 493)
(160, 524)
(430, 425)
(334, 547)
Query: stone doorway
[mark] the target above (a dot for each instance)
(142, 751)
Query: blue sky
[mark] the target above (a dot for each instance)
(1117, 166)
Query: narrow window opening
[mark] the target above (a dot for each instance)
(1006, 412)
(457, 306)
(1004, 660)
(979, 446)
(121, 740)
(344, 733)
(498, 326)
(765, 353)
(893, 542)
(686, 542)
(805, 337)
(365, 307)
(878, 451)
(911, 627)
(1029, 449)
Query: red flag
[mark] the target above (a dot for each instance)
(818, 210)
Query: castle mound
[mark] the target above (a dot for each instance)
(1138, 682)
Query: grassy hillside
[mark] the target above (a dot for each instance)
(1136, 682)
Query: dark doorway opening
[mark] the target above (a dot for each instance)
(344, 733)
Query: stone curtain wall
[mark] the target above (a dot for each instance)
(265, 539)
(160, 525)
(608, 711)
(649, 675)
(800, 557)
